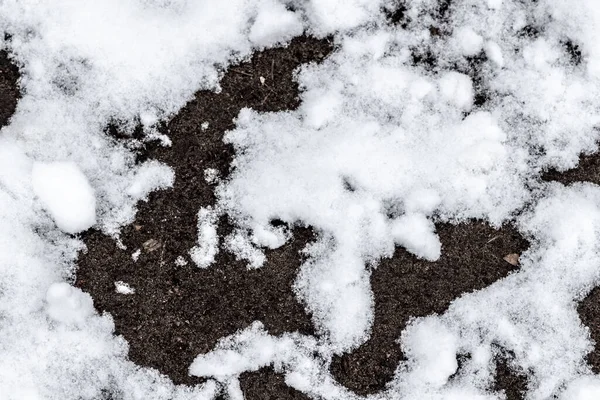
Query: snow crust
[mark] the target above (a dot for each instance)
(380, 149)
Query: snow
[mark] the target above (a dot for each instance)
(327, 16)
(275, 24)
(136, 254)
(240, 244)
(494, 4)
(584, 388)
(149, 177)
(415, 233)
(457, 89)
(123, 288)
(67, 304)
(494, 53)
(208, 240)
(211, 175)
(421, 158)
(66, 194)
(469, 41)
(299, 166)
(433, 347)
(379, 151)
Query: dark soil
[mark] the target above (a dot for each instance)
(589, 312)
(513, 384)
(405, 287)
(588, 170)
(9, 91)
(267, 385)
(179, 312)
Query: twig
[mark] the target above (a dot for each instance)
(492, 239)
(242, 72)
(265, 99)
(272, 70)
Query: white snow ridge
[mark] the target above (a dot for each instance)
(382, 147)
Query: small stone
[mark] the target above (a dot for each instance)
(151, 245)
(512, 259)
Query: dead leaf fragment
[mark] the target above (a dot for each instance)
(512, 258)
(151, 245)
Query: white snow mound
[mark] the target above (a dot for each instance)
(66, 194)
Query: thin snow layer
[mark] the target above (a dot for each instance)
(86, 65)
